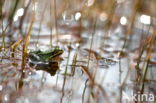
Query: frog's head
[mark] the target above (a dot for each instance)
(56, 52)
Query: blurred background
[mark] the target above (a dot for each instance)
(109, 50)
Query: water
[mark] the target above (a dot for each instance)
(100, 75)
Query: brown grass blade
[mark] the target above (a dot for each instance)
(26, 42)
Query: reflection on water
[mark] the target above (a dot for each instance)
(40, 86)
(96, 64)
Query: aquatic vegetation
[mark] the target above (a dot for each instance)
(76, 51)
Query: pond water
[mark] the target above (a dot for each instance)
(94, 68)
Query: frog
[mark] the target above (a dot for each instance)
(45, 60)
(45, 56)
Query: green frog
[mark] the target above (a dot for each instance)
(45, 60)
